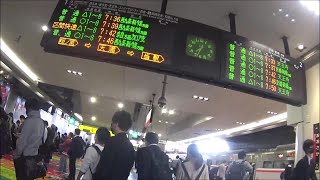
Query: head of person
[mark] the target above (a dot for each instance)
(22, 118)
(102, 136)
(65, 134)
(308, 146)
(121, 122)
(46, 123)
(10, 114)
(70, 135)
(18, 123)
(194, 156)
(59, 133)
(32, 105)
(177, 157)
(242, 155)
(151, 138)
(77, 132)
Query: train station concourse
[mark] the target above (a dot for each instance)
(225, 83)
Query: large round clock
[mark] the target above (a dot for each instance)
(200, 48)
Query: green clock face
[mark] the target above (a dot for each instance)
(200, 48)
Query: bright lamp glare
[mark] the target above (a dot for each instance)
(311, 5)
(120, 105)
(44, 28)
(212, 146)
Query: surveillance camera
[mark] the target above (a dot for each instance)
(162, 102)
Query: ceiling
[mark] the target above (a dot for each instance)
(112, 83)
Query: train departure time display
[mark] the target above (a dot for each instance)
(163, 43)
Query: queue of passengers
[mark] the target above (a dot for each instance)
(112, 158)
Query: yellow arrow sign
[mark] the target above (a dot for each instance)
(67, 42)
(156, 58)
(130, 53)
(87, 45)
(108, 48)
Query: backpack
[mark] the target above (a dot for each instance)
(236, 171)
(160, 166)
(188, 176)
(77, 148)
(94, 175)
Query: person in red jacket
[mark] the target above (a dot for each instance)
(64, 155)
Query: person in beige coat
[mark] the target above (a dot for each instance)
(194, 168)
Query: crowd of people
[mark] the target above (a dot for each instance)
(32, 142)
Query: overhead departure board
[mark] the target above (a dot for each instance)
(260, 68)
(167, 44)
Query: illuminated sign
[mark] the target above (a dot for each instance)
(72, 121)
(163, 43)
(91, 129)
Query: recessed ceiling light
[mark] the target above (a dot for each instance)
(293, 20)
(208, 118)
(164, 110)
(195, 97)
(167, 122)
(280, 10)
(275, 113)
(160, 121)
(287, 15)
(44, 28)
(300, 46)
(268, 112)
(74, 72)
(93, 118)
(201, 98)
(93, 99)
(171, 112)
(69, 71)
(206, 99)
(120, 105)
(1, 72)
(80, 73)
(237, 122)
(159, 135)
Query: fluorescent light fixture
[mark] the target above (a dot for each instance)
(39, 94)
(164, 111)
(159, 135)
(74, 72)
(24, 82)
(208, 118)
(201, 98)
(262, 123)
(80, 73)
(93, 118)
(160, 121)
(206, 99)
(195, 97)
(171, 112)
(268, 153)
(69, 71)
(93, 99)
(17, 61)
(120, 105)
(78, 116)
(44, 28)
(51, 103)
(312, 5)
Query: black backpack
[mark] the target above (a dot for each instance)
(236, 171)
(160, 166)
(77, 148)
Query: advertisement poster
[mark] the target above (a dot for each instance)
(316, 139)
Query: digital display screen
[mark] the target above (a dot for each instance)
(167, 44)
(261, 68)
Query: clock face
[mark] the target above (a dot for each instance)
(200, 48)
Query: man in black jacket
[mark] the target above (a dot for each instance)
(117, 157)
(305, 169)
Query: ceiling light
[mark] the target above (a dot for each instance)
(280, 10)
(69, 71)
(39, 94)
(172, 123)
(130, 131)
(160, 121)
(167, 122)
(159, 135)
(206, 99)
(120, 105)
(93, 99)
(80, 73)
(51, 103)
(237, 122)
(74, 72)
(1, 72)
(44, 28)
(275, 113)
(171, 112)
(287, 15)
(208, 118)
(293, 20)
(311, 5)
(164, 111)
(78, 116)
(93, 118)
(195, 97)
(300, 47)
(17, 61)
(201, 98)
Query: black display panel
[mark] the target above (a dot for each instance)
(163, 43)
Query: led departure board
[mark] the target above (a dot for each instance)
(167, 44)
(260, 68)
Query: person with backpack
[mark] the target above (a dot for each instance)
(117, 158)
(92, 155)
(194, 168)
(151, 162)
(75, 152)
(239, 169)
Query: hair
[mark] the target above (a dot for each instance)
(103, 135)
(194, 154)
(70, 134)
(306, 145)
(152, 138)
(46, 123)
(32, 104)
(177, 157)
(22, 117)
(77, 131)
(241, 155)
(18, 122)
(123, 118)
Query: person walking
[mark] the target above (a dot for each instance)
(64, 155)
(92, 155)
(76, 151)
(194, 168)
(33, 134)
(239, 169)
(117, 159)
(151, 162)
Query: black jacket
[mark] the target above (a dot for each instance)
(116, 160)
(304, 171)
(144, 161)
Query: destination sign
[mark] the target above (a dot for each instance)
(163, 43)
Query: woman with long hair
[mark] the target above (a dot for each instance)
(194, 168)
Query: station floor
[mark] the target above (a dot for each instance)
(7, 171)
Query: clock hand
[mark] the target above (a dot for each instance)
(199, 50)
